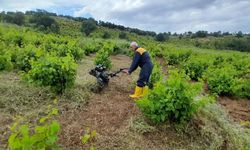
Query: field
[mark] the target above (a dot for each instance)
(200, 97)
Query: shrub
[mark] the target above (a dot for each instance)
(69, 49)
(218, 61)
(156, 75)
(109, 47)
(76, 52)
(57, 72)
(221, 80)
(195, 67)
(171, 100)
(18, 40)
(23, 58)
(89, 48)
(242, 88)
(102, 57)
(5, 62)
(175, 58)
(242, 66)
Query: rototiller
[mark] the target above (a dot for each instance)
(102, 76)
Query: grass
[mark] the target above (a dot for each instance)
(220, 131)
(18, 97)
(210, 129)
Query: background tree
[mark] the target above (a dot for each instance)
(201, 34)
(19, 18)
(88, 27)
(239, 34)
(2, 14)
(162, 37)
(45, 22)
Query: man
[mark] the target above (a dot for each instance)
(141, 59)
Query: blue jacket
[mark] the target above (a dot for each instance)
(141, 59)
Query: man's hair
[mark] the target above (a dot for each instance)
(134, 44)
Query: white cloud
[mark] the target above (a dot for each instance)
(157, 15)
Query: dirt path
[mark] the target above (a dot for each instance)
(107, 112)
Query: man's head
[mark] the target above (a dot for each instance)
(133, 45)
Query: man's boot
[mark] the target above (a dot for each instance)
(138, 92)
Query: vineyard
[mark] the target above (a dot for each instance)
(46, 101)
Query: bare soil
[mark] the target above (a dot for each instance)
(239, 110)
(107, 112)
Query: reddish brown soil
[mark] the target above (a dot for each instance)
(239, 110)
(107, 112)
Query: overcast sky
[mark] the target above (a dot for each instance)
(152, 15)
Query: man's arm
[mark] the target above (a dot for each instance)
(135, 62)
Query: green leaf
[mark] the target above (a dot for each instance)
(42, 120)
(93, 134)
(92, 147)
(85, 138)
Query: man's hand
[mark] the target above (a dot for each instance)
(125, 71)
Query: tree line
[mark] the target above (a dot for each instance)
(40, 19)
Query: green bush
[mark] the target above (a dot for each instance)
(89, 48)
(57, 72)
(242, 88)
(76, 52)
(175, 58)
(5, 63)
(109, 47)
(218, 61)
(156, 75)
(23, 58)
(171, 100)
(64, 50)
(221, 80)
(242, 65)
(102, 57)
(195, 67)
(18, 40)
